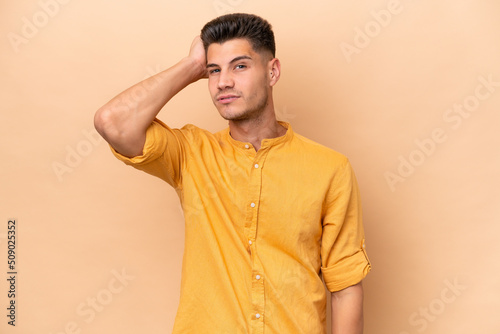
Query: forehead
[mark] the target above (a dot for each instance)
(225, 52)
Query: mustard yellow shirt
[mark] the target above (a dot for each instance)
(260, 227)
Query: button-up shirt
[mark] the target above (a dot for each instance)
(262, 228)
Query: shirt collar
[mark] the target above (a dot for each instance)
(268, 142)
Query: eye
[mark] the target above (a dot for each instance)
(240, 66)
(214, 71)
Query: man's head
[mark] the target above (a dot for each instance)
(246, 26)
(241, 66)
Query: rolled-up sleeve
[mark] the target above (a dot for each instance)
(344, 261)
(163, 154)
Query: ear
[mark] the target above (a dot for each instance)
(274, 71)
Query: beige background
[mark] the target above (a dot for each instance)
(380, 81)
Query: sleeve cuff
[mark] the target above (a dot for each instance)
(153, 147)
(347, 272)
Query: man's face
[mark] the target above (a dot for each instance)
(238, 79)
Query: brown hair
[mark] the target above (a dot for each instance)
(248, 26)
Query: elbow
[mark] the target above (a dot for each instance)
(107, 124)
(125, 140)
(102, 120)
(353, 291)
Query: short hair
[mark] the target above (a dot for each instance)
(248, 26)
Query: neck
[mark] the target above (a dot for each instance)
(254, 130)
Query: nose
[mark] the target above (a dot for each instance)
(225, 80)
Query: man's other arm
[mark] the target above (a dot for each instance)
(123, 121)
(347, 310)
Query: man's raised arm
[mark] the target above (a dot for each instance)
(123, 121)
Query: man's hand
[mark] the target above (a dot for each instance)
(198, 56)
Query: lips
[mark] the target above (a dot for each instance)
(228, 98)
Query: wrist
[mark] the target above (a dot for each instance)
(194, 69)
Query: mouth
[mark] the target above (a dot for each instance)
(224, 99)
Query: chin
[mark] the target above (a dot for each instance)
(233, 116)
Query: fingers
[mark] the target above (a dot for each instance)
(197, 53)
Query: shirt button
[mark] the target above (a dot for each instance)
(249, 242)
(257, 277)
(252, 205)
(247, 146)
(257, 315)
(256, 165)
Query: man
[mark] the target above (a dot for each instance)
(267, 211)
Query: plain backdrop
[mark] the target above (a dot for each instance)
(408, 90)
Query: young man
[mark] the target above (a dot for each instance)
(267, 211)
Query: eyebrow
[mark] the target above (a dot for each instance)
(232, 61)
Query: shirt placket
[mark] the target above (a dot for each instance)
(251, 227)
